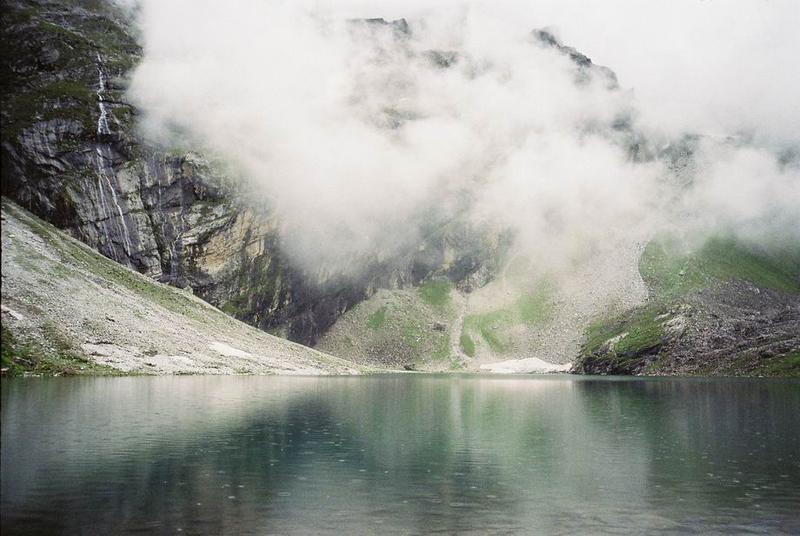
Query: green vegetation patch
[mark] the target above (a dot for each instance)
(413, 326)
(53, 355)
(377, 320)
(491, 327)
(62, 99)
(787, 366)
(642, 328)
(436, 292)
(395, 328)
(621, 344)
(535, 309)
(414, 334)
(467, 344)
(441, 348)
(670, 270)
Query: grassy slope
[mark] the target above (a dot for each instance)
(55, 356)
(415, 326)
(670, 271)
(398, 328)
(672, 274)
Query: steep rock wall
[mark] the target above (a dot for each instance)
(71, 155)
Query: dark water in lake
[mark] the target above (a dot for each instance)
(399, 454)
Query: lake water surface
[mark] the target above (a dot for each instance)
(407, 453)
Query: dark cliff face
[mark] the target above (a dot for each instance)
(71, 155)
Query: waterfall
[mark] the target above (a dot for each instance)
(104, 173)
(165, 220)
(177, 244)
(103, 211)
(105, 170)
(102, 121)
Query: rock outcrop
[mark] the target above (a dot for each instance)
(727, 309)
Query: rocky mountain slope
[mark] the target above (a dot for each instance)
(71, 154)
(455, 299)
(725, 308)
(438, 325)
(69, 310)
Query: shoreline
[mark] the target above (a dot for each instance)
(397, 372)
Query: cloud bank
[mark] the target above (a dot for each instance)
(360, 134)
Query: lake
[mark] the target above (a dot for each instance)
(405, 453)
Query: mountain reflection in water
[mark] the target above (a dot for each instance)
(399, 453)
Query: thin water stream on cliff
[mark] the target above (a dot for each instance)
(407, 453)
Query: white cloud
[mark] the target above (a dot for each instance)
(304, 103)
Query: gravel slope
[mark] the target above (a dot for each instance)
(64, 302)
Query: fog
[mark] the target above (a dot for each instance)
(358, 136)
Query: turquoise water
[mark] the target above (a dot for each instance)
(399, 454)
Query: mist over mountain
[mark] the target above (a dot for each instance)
(359, 133)
(435, 187)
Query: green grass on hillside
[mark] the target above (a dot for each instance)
(58, 358)
(670, 270)
(377, 320)
(490, 327)
(436, 292)
(425, 343)
(467, 344)
(644, 328)
(397, 327)
(784, 366)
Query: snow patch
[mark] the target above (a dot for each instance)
(528, 365)
(227, 350)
